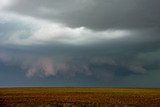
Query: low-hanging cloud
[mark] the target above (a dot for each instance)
(102, 42)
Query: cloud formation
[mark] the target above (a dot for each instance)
(101, 14)
(107, 42)
(36, 31)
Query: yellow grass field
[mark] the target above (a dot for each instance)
(79, 97)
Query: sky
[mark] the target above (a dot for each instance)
(97, 43)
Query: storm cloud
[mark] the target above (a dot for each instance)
(81, 42)
(101, 14)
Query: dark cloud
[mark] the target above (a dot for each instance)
(101, 14)
(81, 42)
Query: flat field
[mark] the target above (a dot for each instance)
(79, 97)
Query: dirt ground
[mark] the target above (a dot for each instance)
(79, 97)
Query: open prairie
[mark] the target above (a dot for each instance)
(79, 97)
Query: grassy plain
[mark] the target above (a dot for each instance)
(79, 97)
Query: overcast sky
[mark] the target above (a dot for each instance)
(108, 43)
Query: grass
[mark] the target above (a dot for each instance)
(79, 97)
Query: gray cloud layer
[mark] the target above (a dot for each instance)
(104, 40)
(101, 14)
